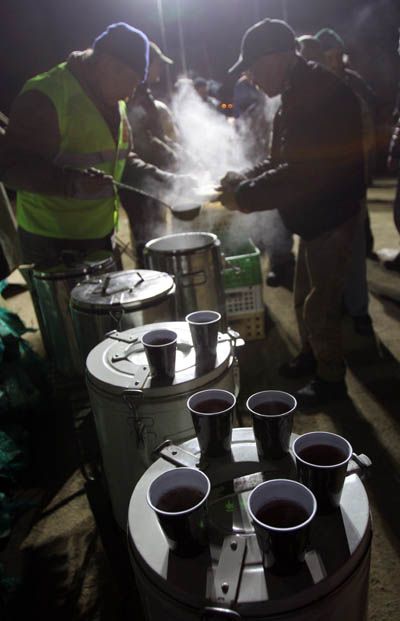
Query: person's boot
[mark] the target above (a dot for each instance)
(302, 365)
(319, 392)
(363, 325)
(394, 264)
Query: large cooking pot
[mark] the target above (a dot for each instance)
(52, 285)
(195, 261)
(231, 580)
(134, 413)
(120, 301)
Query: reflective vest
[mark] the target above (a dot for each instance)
(86, 140)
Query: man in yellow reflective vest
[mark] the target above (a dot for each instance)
(65, 121)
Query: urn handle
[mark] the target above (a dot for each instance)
(213, 614)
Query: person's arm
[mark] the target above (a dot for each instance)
(326, 165)
(30, 146)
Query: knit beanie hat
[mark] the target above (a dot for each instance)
(126, 43)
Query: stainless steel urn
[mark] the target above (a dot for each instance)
(232, 579)
(52, 285)
(120, 301)
(196, 262)
(134, 413)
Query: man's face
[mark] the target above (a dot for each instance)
(116, 81)
(334, 61)
(270, 72)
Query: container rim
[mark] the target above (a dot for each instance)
(277, 392)
(325, 433)
(210, 240)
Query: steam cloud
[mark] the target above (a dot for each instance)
(212, 145)
(216, 145)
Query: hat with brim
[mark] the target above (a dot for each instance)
(269, 36)
(330, 40)
(127, 44)
(155, 52)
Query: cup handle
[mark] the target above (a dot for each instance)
(210, 613)
(362, 463)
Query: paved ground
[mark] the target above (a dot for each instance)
(56, 546)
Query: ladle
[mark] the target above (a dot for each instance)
(188, 212)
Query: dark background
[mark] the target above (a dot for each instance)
(36, 34)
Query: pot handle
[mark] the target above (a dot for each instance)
(211, 614)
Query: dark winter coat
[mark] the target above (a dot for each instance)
(315, 176)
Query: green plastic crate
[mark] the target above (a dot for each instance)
(247, 263)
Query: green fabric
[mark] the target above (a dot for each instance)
(7, 586)
(12, 458)
(11, 324)
(23, 392)
(86, 139)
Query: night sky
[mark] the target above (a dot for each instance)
(36, 34)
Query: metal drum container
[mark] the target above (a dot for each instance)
(120, 301)
(53, 285)
(231, 580)
(134, 413)
(195, 261)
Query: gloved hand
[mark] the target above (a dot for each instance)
(228, 199)
(231, 180)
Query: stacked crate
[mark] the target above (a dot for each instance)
(243, 289)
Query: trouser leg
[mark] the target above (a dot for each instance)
(369, 237)
(38, 248)
(281, 244)
(301, 291)
(327, 259)
(396, 205)
(356, 286)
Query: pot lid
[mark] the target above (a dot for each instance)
(329, 561)
(181, 243)
(119, 362)
(126, 290)
(72, 264)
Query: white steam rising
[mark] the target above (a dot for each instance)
(211, 145)
(208, 136)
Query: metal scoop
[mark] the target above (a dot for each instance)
(187, 210)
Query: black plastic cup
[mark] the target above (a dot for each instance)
(322, 459)
(212, 416)
(281, 511)
(160, 349)
(272, 412)
(179, 499)
(204, 330)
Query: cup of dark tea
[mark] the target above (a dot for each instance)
(160, 349)
(204, 330)
(322, 459)
(212, 416)
(281, 511)
(179, 499)
(272, 413)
